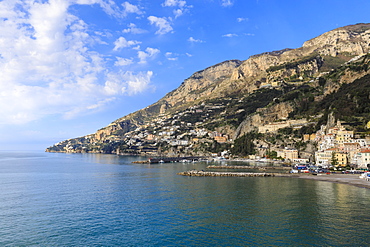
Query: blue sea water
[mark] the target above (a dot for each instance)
(49, 199)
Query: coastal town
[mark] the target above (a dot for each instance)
(295, 109)
(340, 147)
(336, 146)
(187, 134)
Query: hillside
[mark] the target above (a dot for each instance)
(278, 96)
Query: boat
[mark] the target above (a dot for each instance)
(365, 175)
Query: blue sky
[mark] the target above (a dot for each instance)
(70, 67)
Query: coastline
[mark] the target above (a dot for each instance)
(349, 179)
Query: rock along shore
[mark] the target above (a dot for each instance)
(249, 167)
(196, 173)
(349, 179)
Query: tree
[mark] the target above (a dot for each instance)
(334, 160)
(271, 154)
(244, 145)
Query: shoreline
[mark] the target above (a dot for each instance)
(349, 179)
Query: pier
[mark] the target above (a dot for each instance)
(174, 159)
(196, 173)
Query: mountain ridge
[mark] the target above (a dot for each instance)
(235, 81)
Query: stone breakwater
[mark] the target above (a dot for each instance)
(249, 167)
(348, 179)
(196, 173)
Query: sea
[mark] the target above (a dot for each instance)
(57, 199)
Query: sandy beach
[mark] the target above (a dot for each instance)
(350, 179)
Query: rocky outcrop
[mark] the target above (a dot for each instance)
(235, 76)
(351, 41)
(201, 84)
(306, 67)
(122, 126)
(264, 116)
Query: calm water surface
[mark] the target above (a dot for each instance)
(105, 200)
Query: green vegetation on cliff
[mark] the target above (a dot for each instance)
(244, 145)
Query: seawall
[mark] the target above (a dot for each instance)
(196, 173)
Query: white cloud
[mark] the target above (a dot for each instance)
(110, 7)
(133, 29)
(192, 40)
(227, 3)
(48, 64)
(178, 12)
(171, 56)
(123, 61)
(240, 19)
(121, 42)
(138, 84)
(131, 9)
(174, 3)
(127, 82)
(180, 4)
(148, 53)
(162, 23)
(230, 35)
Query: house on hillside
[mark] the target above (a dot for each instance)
(290, 154)
(341, 158)
(343, 136)
(324, 158)
(352, 149)
(363, 159)
(220, 139)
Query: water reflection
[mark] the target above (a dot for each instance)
(244, 210)
(98, 199)
(249, 210)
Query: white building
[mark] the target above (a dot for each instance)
(324, 158)
(363, 159)
(362, 142)
(327, 142)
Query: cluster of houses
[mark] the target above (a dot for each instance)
(338, 147)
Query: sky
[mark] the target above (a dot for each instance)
(71, 67)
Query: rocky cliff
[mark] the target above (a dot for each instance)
(226, 96)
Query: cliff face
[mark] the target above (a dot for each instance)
(201, 84)
(237, 76)
(346, 41)
(262, 117)
(353, 40)
(234, 75)
(198, 86)
(231, 82)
